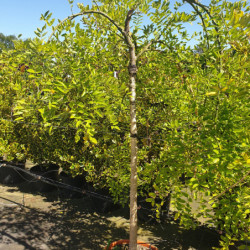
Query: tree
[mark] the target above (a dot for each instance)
(6, 42)
(188, 120)
(129, 10)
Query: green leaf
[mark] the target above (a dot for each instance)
(211, 93)
(31, 71)
(46, 13)
(65, 91)
(216, 160)
(78, 123)
(152, 194)
(77, 138)
(150, 200)
(93, 140)
(41, 110)
(176, 216)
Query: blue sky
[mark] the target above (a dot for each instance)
(23, 16)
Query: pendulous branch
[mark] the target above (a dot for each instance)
(90, 12)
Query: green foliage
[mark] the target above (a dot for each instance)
(6, 42)
(60, 102)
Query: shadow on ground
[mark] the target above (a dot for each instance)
(64, 227)
(74, 224)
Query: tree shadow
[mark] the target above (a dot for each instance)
(78, 224)
(66, 226)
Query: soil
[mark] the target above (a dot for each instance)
(34, 221)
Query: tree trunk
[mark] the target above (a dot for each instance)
(133, 160)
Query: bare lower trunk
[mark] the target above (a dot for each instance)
(132, 69)
(133, 165)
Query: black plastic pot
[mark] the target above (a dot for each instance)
(146, 211)
(9, 175)
(71, 184)
(48, 171)
(101, 200)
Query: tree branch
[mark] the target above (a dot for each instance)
(90, 12)
(128, 19)
(145, 48)
(128, 37)
(205, 8)
(232, 186)
(202, 19)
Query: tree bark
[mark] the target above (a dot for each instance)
(133, 145)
